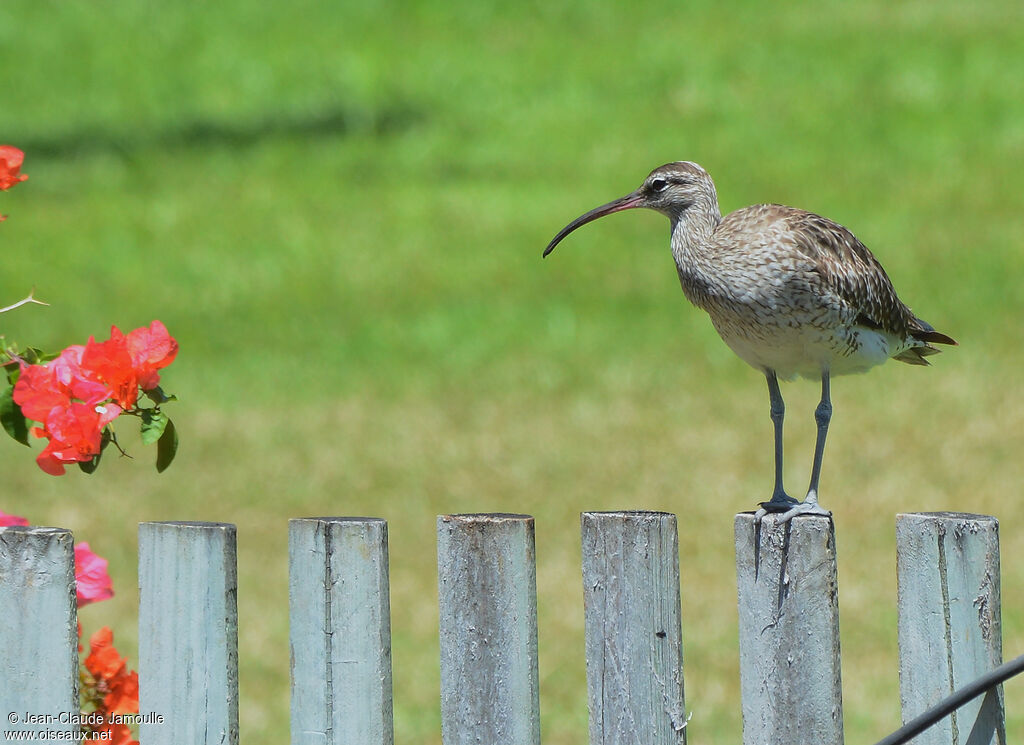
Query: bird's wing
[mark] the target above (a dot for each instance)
(852, 272)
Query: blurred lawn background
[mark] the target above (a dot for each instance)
(339, 210)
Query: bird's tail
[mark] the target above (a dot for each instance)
(925, 332)
(926, 335)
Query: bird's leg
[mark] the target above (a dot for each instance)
(780, 501)
(822, 416)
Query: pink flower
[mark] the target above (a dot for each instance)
(91, 576)
(150, 349)
(76, 381)
(6, 519)
(37, 392)
(75, 434)
(41, 388)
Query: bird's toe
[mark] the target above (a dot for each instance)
(804, 508)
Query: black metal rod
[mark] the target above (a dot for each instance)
(954, 701)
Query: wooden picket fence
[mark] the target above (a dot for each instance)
(949, 629)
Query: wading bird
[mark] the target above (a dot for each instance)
(792, 293)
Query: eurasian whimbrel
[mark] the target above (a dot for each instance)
(791, 292)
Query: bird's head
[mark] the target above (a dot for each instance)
(671, 189)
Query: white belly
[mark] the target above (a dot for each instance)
(807, 351)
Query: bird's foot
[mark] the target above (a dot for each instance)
(809, 506)
(787, 508)
(804, 508)
(780, 502)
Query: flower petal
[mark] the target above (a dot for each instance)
(11, 159)
(91, 578)
(6, 519)
(104, 662)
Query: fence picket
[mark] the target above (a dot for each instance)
(340, 631)
(188, 633)
(633, 629)
(949, 630)
(949, 621)
(487, 588)
(38, 629)
(789, 631)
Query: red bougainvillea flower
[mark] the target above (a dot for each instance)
(126, 363)
(75, 434)
(124, 694)
(151, 349)
(115, 734)
(110, 363)
(11, 159)
(91, 577)
(41, 388)
(61, 396)
(38, 393)
(112, 369)
(110, 671)
(76, 395)
(6, 519)
(75, 379)
(104, 662)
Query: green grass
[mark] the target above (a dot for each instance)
(339, 211)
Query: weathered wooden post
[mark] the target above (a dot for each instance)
(487, 588)
(38, 630)
(789, 631)
(188, 633)
(340, 615)
(633, 629)
(949, 622)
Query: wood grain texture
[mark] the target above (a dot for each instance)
(188, 633)
(38, 628)
(488, 621)
(789, 631)
(949, 622)
(633, 629)
(340, 635)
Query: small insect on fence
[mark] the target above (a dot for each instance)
(949, 629)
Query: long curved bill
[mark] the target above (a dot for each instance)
(622, 203)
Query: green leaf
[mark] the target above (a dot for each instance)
(12, 370)
(32, 355)
(153, 423)
(166, 447)
(157, 396)
(13, 420)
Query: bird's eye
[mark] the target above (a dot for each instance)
(659, 185)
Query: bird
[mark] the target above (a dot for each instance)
(792, 293)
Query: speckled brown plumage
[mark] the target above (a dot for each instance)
(791, 292)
